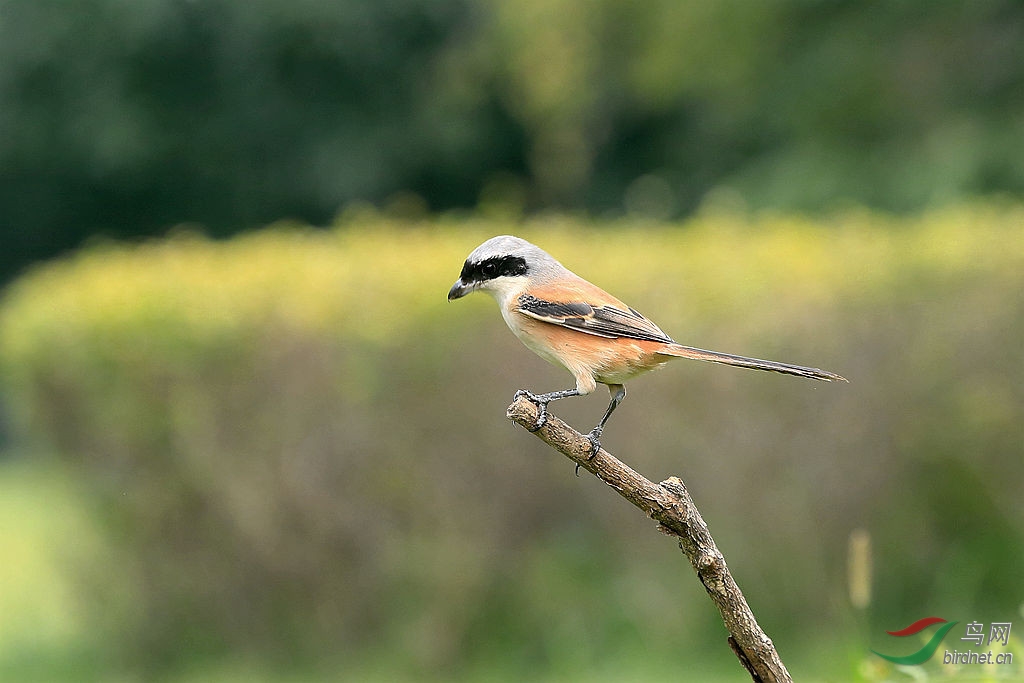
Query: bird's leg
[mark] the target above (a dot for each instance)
(618, 393)
(542, 401)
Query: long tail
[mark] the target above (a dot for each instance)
(681, 351)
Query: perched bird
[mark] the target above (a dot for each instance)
(570, 322)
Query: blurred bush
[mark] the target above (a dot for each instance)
(298, 447)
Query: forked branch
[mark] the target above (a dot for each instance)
(670, 505)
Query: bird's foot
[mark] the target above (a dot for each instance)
(594, 437)
(542, 407)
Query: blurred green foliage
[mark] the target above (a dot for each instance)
(296, 452)
(124, 118)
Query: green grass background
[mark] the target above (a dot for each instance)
(284, 456)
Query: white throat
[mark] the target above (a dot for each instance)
(505, 290)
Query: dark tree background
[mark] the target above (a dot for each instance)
(126, 118)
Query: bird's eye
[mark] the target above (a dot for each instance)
(489, 270)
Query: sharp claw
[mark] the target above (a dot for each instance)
(594, 437)
(542, 416)
(542, 408)
(595, 446)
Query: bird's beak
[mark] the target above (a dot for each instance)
(459, 290)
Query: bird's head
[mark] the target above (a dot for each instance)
(502, 266)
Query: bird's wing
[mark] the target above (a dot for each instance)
(610, 320)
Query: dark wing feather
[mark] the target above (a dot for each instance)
(601, 321)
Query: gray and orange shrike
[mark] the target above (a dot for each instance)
(570, 322)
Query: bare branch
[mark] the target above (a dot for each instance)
(670, 505)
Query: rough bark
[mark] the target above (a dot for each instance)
(670, 505)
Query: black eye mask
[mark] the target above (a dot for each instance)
(496, 266)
